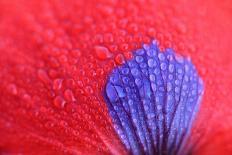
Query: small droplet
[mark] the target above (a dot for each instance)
(125, 80)
(169, 86)
(63, 59)
(111, 93)
(89, 90)
(181, 27)
(171, 68)
(100, 71)
(54, 62)
(179, 58)
(128, 55)
(59, 102)
(143, 65)
(80, 83)
(161, 56)
(102, 52)
(170, 77)
(140, 52)
(57, 84)
(139, 59)
(151, 32)
(134, 71)
(76, 53)
(163, 66)
(109, 38)
(125, 71)
(151, 53)
(52, 73)
(180, 71)
(156, 71)
(12, 88)
(138, 82)
(159, 107)
(151, 63)
(119, 59)
(152, 77)
(70, 83)
(43, 76)
(124, 47)
(26, 97)
(69, 96)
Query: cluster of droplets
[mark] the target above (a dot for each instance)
(72, 50)
(68, 40)
(153, 99)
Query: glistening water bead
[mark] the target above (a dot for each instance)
(153, 99)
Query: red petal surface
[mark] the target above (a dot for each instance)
(56, 55)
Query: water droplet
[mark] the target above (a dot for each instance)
(76, 53)
(113, 48)
(125, 71)
(151, 63)
(151, 32)
(80, 83)
(181, 27)
(26, 97)
(119, 59)
(102, 52)
(43, 76)
(161, 56)
(12, 88)
(180, 71)
(124, 47)
(163, 66)
(100, 71)
(125, 80)
(57, 84)
(169, 86)
(70, 83)
(134, 71)
(59, 102)
(108, 38)
(133, 27)
(52, 73)
(152, 77)
(171, 68)
(63, 59)
(54, 62)
(179, 58)
(128, 55)
(69, 96)
(139, 59)
(88, 89)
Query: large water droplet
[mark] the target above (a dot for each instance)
(102, 52)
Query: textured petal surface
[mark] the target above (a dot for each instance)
(153, 100)
(55, 57)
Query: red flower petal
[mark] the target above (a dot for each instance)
(52, 78)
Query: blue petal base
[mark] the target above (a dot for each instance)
(153, 100)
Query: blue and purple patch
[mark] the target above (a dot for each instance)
(153, 100)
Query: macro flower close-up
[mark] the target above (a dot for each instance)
(149, 77)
